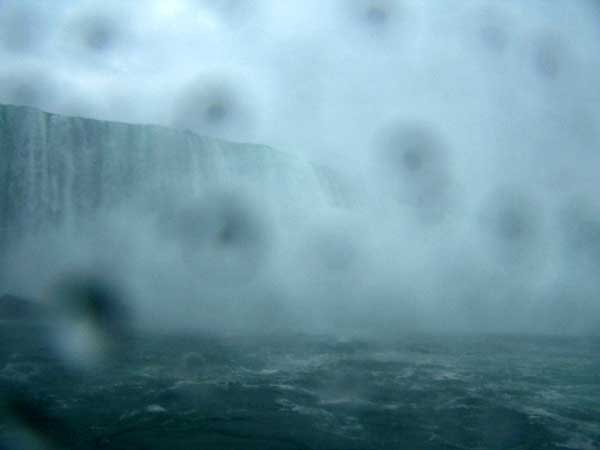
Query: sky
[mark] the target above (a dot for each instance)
(314, 77)
(474, 119)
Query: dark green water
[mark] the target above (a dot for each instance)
(305, 392)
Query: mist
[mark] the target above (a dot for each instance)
(435, 163)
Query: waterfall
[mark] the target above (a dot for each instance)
(57, 170)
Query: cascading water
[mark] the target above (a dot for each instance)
(57, 170)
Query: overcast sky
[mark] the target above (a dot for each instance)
(316, 77)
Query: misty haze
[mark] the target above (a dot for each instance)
(299, 224)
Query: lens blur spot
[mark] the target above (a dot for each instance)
(377, 18)
(212, 107)
(413, 150)
(548, 56)
(28, 421)
(216, 112)
(413, 159)
(96, 32)
(494, 37)
(376, 15)
(512, 220)
(493, 30)
(94, 319)
(221, 237)
(88, 297)
(99, 36)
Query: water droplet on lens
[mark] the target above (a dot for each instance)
(96, 32)
(216, 112)
(28, 420)
(493, 28)
(413, 149)
(214, 107)
(99, 37)
(494, 37)
(376, 15)
(221, 236)
(548, 56)
(513, 221)
(94, 321)
(414, 163)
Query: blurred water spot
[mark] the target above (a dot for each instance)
(414, 159)
(29, 422)
(413, 150)
(100, 35)
(96, 31)
(376, 14)
(548, 55)
(222, 237)
(94, 319)
(375, 17)
(512, 219)
(493, 30)
(213, 107)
